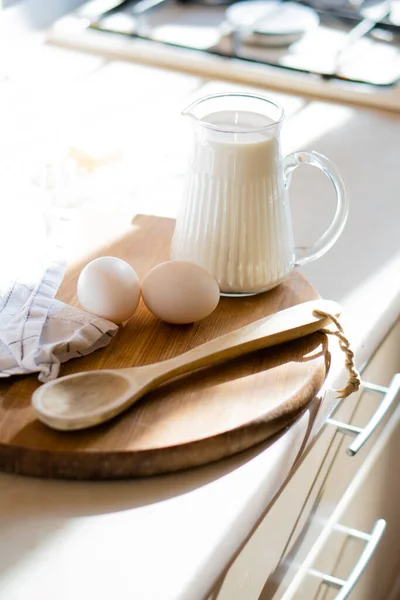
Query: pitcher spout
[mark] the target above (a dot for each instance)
(190, 112)
(198, 110)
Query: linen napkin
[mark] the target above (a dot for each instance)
(38, 332)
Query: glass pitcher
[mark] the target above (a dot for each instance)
(235, 219)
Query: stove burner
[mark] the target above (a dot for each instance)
(356, 41)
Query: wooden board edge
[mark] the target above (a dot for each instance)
(127, 465)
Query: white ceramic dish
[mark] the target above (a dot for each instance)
(271, 22)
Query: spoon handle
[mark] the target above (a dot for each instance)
(285, 325)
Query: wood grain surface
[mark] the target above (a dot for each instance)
(198, 418)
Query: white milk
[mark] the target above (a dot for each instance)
(235, 219)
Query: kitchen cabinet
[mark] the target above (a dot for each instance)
(378, 497)
(369, 505)
(271, 566)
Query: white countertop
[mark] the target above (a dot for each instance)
(170, 537)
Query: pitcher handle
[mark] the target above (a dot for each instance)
(304, 255)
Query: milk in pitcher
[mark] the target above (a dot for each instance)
(235, 220)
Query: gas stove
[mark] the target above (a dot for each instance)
(354, 46)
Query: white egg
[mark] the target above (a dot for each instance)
(180, 292)
(110, 288)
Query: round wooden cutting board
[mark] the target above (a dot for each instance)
(199, 418)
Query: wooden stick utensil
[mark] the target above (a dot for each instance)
(87, 399)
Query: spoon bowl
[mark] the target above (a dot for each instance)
(103, 391)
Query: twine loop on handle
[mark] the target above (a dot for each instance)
(353, 381)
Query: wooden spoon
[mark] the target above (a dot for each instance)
(86, 399)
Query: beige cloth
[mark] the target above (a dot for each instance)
(37, 332)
